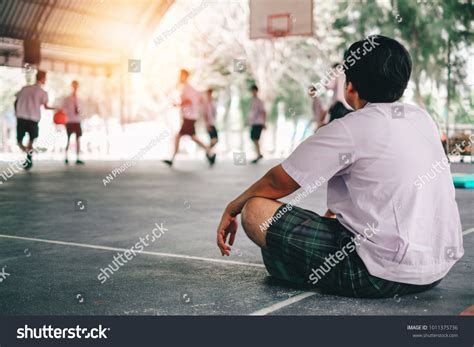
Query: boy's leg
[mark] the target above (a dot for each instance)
(210, 157)
(23, 148)
(176, 145)
(20, 134)
(213, 136)
(32, 129)
(29, 154)
(257, 147)
(200, 143)
(255, 213)
(177, 140)
(29, 147)
(78, 144)
(257, 216)
(78, 149)
(67, 147)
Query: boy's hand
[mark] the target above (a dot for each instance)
(228, 226)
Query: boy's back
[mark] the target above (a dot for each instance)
(390, 168)
(29, 101)
(397, 228)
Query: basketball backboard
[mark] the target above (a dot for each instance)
(277, 18)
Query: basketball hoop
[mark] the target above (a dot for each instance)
(271, 19)
(279, 25)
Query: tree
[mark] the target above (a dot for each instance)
(436, 33)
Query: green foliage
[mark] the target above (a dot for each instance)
(436, 34)
(295, 98)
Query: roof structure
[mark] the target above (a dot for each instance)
(90, 32)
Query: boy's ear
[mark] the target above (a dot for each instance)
(350, 88)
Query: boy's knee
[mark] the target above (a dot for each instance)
(250, 216)
(256, 211)
(249, 211)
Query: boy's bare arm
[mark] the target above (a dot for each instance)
(47, 107)
(275, 184)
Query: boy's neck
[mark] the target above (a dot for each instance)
(359, 103)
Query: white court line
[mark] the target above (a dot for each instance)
(170, 255)
(262, 312)
(468, 231)
(281, 304)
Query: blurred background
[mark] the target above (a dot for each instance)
(127, 56)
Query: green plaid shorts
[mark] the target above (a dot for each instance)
(299, 244)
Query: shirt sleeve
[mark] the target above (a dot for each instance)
(327, 153)
(251, 115)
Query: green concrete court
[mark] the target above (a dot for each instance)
(53, 251)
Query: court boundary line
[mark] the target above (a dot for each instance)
(108, 248)
(262, 312)
(279, 305)
(468, 231)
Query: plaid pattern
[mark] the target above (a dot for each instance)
(301, 241)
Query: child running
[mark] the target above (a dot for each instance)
(210, 118)
(72, 108)
(383, 235)
(28, 113)
(190, 101)
(257, 120)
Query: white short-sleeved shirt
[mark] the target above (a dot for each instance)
(72, 106)
(191, 99)
(386, 168)
(209, 113)
(257, 112)
(29, 101)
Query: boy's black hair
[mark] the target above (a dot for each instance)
(40, 75)
(381, 74)
(254, 87)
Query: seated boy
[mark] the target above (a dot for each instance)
(383, 234)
